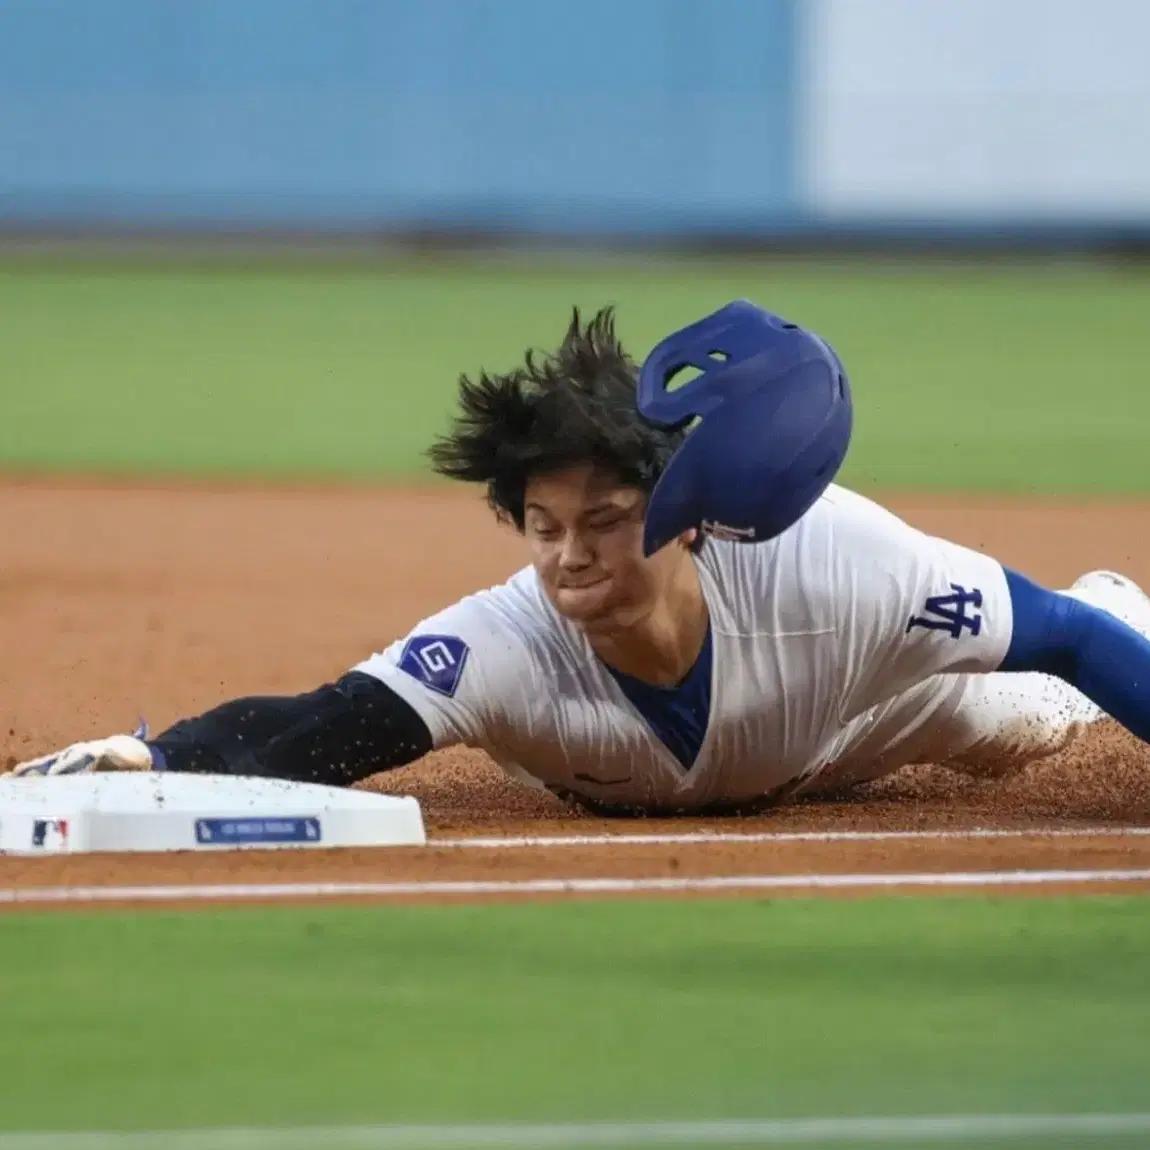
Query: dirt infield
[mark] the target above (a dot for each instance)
(118, 602)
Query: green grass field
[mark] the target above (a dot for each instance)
(995, 379)
(573, 1012)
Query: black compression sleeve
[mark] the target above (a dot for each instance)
(338, 734)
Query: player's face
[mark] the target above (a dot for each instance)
(586, 538)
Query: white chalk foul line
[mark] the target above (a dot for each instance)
(962, 1128)
(689, 838)
(220, 892)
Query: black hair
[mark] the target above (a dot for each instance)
(558, 409)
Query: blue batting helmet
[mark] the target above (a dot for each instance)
(776, 416)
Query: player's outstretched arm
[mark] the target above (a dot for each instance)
(338, 734)
(1092, 650)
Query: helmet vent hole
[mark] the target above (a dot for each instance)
(681, 376)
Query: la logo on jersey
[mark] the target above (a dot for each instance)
(949, 612)
(437, 661)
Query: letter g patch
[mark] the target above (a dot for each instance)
(437, 661)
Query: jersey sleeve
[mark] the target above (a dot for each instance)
(910, 605)
(462, 671)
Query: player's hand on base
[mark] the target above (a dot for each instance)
(116, 753)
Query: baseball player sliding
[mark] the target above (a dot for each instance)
(707, 620)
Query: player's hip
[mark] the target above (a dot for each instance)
(901, 730)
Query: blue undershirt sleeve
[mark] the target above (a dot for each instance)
(1085, 646)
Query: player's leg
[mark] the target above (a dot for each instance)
(1005, 722)
(894, 734)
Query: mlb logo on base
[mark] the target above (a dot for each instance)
(50, 834)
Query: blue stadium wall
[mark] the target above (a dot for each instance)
(627, 117)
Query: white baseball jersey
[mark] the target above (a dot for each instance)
(813, 637)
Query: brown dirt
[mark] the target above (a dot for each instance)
(119, 601)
